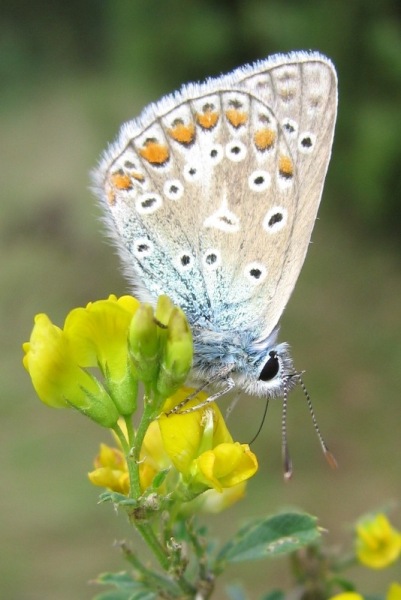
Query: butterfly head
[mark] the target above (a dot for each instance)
(272, 375)
(261, 368)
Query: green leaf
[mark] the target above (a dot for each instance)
(159, 478)
(113, 595)
(122, 579)
(126, 595)
(126, 588)
(117, 498)
(274, 595)
(344, 584)
(272, 536)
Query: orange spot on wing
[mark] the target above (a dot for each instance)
(121, 181)
(236, 117)
(184, 134)
(155, 153)
(137, 176)
(207, 119)
(285, 167)
(287, 94)
(111, 196)
(264, 138)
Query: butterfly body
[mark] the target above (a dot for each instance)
(212, 194)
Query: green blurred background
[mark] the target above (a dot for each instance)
(70, 73)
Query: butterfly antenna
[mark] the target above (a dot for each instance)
(261, 423)
(328, 455)
(287, 462)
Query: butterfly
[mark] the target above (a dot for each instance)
(211, 195)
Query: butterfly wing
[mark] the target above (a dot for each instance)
(213, 191)
(301, 90)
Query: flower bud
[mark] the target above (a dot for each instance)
(177, 356)
(144, 343)
(124, 392)
(164, 309)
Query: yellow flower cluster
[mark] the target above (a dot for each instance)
(129, 342)
(199, 452)
(120, 337)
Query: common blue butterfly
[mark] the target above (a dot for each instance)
(212, 194)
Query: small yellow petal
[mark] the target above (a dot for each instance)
(56, 377)
(98, 335)
(226, 466)
(347, 596)
(182, 434)
(153, 458)
(394, 592)
(214, 502)
(205, 472)
(111, 470)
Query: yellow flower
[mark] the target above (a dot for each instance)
(347, 596)
(58, 379)
(99, 334)
(224, 466)
(394, 592)
(201, 447)
(48, 361)
(111, 470)
(99, 338)
(378, 543)
(95, 336)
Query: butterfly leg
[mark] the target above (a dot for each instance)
(232, 405)
(177, 409)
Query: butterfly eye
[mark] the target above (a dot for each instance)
(271, 368)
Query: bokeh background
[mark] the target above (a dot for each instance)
(70, 73)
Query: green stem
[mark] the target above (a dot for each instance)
(199, 548)
(151, 540)
(158, 581)
(130, 430)
(121, 438)
(132, 449)
(133, 459)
